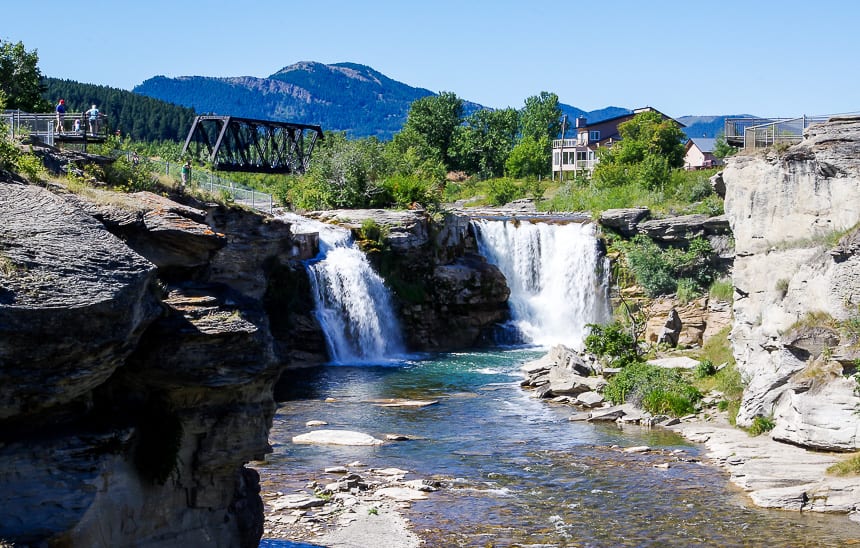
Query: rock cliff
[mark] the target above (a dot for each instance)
(137, 362)
(794, 215)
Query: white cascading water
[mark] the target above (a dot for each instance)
(353, 305)
(559, 281)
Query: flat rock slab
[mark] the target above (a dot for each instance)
(296, 502)
(336, 437)
(681, 362)
(402, 494)
(774, 474)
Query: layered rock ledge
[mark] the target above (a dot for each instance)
(786, 210)
(137, 362)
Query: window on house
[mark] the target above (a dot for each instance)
(593, 135)
(555, 156)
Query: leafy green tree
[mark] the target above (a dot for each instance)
(649, 148)
(435, 118)
(482, 144)
(409, 154)
(723, 148)
(529, 157)
(346, 173)
(541, 117)
(20, 78)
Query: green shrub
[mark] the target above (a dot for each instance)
(612, 342)
(405, 190)
(760, 425)
(657, 390)
(504, 190)
(687, 290)
(647, 263)
(660, 271)
(706, 368)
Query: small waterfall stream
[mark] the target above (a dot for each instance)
(353, 305)
(559, 281)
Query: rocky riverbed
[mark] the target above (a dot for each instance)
(773, 474)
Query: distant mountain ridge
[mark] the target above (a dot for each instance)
(346, 97)
(340, 97)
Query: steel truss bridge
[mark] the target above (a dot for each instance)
(257, 146)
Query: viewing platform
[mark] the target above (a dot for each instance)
(751, 133)
(76, 127)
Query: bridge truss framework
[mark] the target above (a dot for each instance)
(230, 143)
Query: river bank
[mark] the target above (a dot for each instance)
(773, 474)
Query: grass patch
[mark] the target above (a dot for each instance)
(686, 192)
(722, 290)
(728, 380)
(847, 467)
(7, 266)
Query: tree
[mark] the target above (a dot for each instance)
(651, 133)
(723, 148)
(528, 158)
(436, 118)
(650, 147)
(482, 144)
(20, 78)
(541, 117)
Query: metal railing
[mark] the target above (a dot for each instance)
(208, 181)
(44, 127)
(779, 131)
(755, 133)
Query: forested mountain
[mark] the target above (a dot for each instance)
(141, 117)
(339, 97)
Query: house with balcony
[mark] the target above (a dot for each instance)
(579, 155)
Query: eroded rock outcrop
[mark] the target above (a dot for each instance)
(74, 301)
(137, 362)
(783, 210)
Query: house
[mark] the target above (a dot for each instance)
(580, 155)
(699, 154)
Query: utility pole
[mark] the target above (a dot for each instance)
(561, 150)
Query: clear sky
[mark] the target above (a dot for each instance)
(762, 57)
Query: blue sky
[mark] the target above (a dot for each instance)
(763, 57)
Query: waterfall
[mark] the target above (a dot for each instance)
(353, 305)
(558, 279)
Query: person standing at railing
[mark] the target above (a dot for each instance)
(93, 117)
(61, 114)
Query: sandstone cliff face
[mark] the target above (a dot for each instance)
(790, 282)
(136, 367)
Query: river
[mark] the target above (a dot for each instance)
(514, 471)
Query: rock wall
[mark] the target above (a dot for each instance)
(137, 362)
(795, 292)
